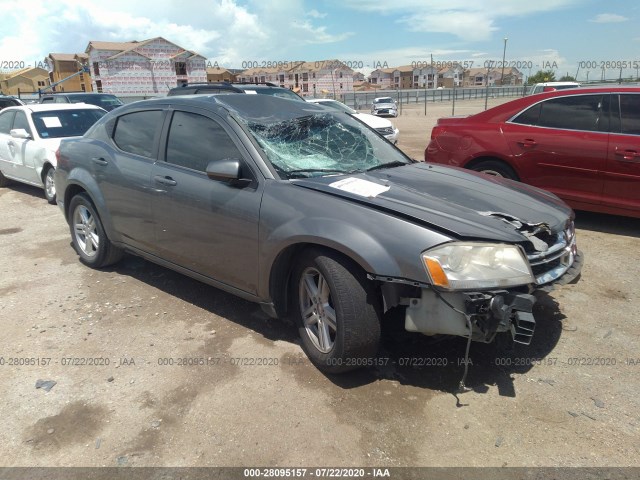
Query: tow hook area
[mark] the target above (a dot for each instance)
(500, 311)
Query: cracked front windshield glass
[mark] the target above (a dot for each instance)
(324, 144)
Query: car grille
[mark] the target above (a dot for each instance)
(552, 264)
(385, 130)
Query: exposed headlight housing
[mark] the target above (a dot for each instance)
(464, 266)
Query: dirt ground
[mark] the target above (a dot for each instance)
(155, 369)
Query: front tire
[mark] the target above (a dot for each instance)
(49, 185)
(336, 312)
(495, 168)
(89, 238)
(4, 181)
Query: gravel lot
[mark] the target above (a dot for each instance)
(108, 338)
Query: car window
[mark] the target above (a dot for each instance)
(530, 116)
(630, 114)
(6, 119)
(575, 112)
(195, 140)
(47, 100)
(65, 123)
(61, 99)
(20, 121)
(135, 132)
(7, 102)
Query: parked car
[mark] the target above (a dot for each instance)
(384, 106)
(552, 86)
(381, 125)
(102, 100)
(314, 216)
(581, 144)
(225, 87)
(29, 138)
(7, 101)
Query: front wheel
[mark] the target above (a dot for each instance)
(89, 239)
(4, 181)
(336, 312)
(49, 185)
(495, 168)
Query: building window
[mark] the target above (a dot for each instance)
(99, 86)
(81, 76)
(305, 77)
(313, 75)
(181, 68)
(82, 87)
(96, 68)
(305, 87)
(340, 85)
(340, 74)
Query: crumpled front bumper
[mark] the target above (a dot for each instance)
(485, 312)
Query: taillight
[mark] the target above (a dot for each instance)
(437, 131)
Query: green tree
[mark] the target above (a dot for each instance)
(567, 78)
(542, 76)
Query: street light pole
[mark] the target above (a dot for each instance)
(504, 53)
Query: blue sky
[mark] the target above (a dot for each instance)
(557, 33)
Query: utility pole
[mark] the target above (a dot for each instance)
(504, 53)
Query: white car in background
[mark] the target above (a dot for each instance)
(384, 106)
(30, 136)
(551, 86)
(381, 125)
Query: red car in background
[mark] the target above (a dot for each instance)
(583, 145)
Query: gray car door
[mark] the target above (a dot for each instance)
(123, 173)
(204, 225)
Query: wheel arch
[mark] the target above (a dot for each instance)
(284, 264)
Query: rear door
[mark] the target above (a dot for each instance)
(560, 144)
(26, 151)
(622, 175)
(204, 225)
(124, 175)
(6, 141)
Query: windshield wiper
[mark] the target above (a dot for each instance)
(395, 163)
(300, 173)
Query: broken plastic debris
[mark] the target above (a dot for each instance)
(45, 385)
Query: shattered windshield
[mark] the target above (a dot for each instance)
(323, 144)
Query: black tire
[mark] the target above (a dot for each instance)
(495, 168)
(49, 190)
(4, 181)
(90, 241)
(355, 308)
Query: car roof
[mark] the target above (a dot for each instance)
(70, 94)
(45, 107)
(259, 108)
(554, 84)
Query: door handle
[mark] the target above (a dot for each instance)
(165, 180)
(627, 155)
(527, 143)
(100, 161)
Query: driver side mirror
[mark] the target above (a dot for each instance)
(227, 170)
(19, 133)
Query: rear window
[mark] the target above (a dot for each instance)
(65, 123)
(136, 131)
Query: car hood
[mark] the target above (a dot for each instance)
(460, 203)
(373, 121)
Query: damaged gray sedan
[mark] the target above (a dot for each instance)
(315, 216)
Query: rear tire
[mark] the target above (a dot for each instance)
(495, 168)
(336, 311)
(49, 185)
(88, 236)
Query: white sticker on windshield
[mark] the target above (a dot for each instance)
(51, 122)
(360, 187)
(251, 92)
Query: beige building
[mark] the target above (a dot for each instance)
(218, 74)
(25, 80)
(63, 65)
(309, 79)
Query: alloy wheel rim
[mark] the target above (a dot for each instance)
(84, 226)
(49, 184)
(317, 310)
